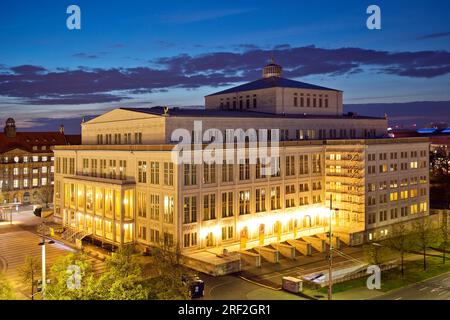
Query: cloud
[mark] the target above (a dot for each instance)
(36, 84)
(189, 17)
(27, 69)
(434, 36)
(83, 55)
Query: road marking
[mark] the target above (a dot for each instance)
(399, 298)
(424, 288)
(441, 293)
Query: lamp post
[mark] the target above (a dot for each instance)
(43, 263)
(330, 253)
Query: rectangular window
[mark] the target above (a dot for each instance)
(168, 173)
(209, 173)
(227, 172)
(168, 209)
(154, 207)
(209, 206)
(244, 202)
(190, 174)
(260, 200)
(142, 171)
(154, 172)
(290, 166)
(190, 209)
(227, 204)
(275, 198)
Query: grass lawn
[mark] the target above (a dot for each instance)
(392, 279)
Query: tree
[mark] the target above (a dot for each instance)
(424, 235)
(170, 277)
(45, 194)
(28, 272)
(122, 279)
(6, 291)
(400, 240)
(71, 279)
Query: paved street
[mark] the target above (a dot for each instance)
(19, 240)
(437, 288)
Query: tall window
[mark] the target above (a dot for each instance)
(209, 173)
(122, 169)
(227, 204)
(244, 170)
(275, 198)
(260, 200)
(168, 173)
(154, 172)
(316, 163)
(227, 172)
(190, 209)
(303, 164)
(209, 206)
(142, 171)
(290, 166)
(154, 207)
(142, 204)
(244, 202)
(168, 209)
(190, 174)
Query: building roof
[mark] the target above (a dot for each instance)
(272, 82)
(185, 112)
(26, 141)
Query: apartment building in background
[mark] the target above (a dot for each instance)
(26, 161)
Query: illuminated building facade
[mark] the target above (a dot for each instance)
(26, 161)
(121, 185)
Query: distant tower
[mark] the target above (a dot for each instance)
(272, 70)
(61, 129)
(10, 128)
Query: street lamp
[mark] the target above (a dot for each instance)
(43, 263)
(330, 253)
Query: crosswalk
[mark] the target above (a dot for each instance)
(16, 246)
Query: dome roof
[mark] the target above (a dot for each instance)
(272, 70)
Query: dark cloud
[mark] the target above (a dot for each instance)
(27, 69)
(434, 36)
(83, 55)
(86, 85)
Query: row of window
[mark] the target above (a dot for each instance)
(230, 206)
(26, 170)
(393, 167)
(241, 103)
(310, 100)
(394, 183)
(395, 213)
(26, 159)
(25, 183)
(119, 138)
(395, 155)
(394, 196)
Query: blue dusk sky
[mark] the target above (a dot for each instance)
(147, 53)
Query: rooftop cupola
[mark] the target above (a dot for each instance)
(272, 69)
(10, 128)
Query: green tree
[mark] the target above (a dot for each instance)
(168, 281)
(64, 277)
(375, 253)
(400, 240)
(45, 194)
(29, 271)
(122, 279)
(424, 235)
(6, 291)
